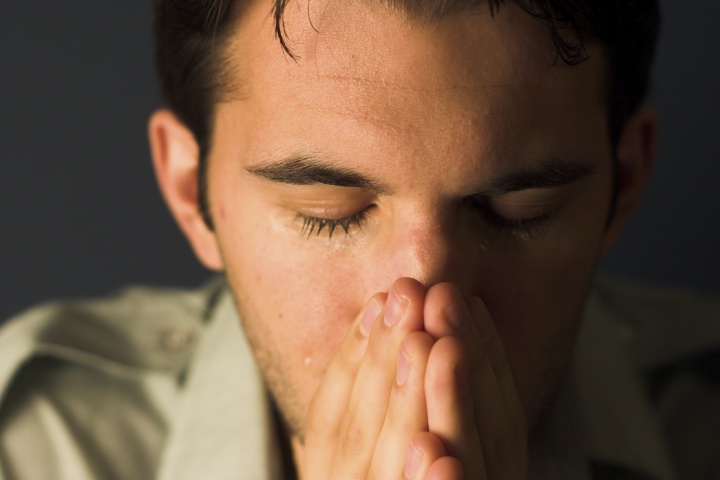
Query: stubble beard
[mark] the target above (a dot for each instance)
(537, 396)
(283, 391)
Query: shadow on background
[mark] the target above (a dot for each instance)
(81, 215)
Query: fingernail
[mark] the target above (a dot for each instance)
(456, 316)
(395, 308)
(371, 312)
(413, 461)
(403, 367)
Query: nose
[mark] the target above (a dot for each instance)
(430, 249)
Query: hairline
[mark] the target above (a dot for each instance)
(227, 90)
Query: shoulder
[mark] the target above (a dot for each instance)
(673, 337)
(118, 330)
(664, 324)
(95, 375)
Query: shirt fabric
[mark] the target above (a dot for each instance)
(161, 384)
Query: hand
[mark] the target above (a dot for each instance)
(361, 419)
(370, 417)
(472, 402)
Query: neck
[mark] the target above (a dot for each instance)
(291, 449)
(298, 456)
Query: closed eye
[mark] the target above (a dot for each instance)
(529, 220)
(316, 225)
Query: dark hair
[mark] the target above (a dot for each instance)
(192, 61)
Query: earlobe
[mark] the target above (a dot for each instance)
(175, 156)
(634, 159)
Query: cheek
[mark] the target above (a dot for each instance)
(537, 302)
(545, 284)
(298, 296)
(544, 295)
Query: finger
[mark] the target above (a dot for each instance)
(447, 314)
(331, 399)
(422, 452)
(451, 409)
(368, 403)
(499, 417)
(407, 411)
(446, 468)
(497, 357)
(511, 448)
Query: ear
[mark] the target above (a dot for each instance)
(175, 156)
(635, 156)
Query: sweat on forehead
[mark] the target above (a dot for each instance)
(559, 15)
(310, 24)
(195, 67)
(352, 44)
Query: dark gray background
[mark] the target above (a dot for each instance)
(80, 213)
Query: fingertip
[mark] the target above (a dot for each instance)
(408, 290)
(417, 344)
(431, 446)
(408, 286)
(424, 449)
(445, 468)
(434, 462)
(445, 292)
(371, 312)
(446, 311)
(381, 297)
(450, 351)
(413, 462)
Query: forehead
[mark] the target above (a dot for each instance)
(354, 40)
(460, 76)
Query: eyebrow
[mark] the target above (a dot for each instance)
(309, 170)
(553, 172)
(299, 169)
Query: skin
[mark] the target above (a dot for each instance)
(435, 112)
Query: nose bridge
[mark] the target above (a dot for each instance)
(428, 249)
(424, 252)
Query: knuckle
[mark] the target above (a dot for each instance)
(317, 423)
(355, 440)
(344, 363)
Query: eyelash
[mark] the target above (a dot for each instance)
(315, 225)
(529, 227)
(532, 227)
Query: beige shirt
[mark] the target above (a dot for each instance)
(161, 384)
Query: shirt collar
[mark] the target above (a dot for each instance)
(620, 424)
(224, 421)
(223, 427)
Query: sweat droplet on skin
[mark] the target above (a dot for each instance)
(308, 361)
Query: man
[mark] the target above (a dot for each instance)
(408, 200)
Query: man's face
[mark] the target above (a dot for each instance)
(476, 159)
